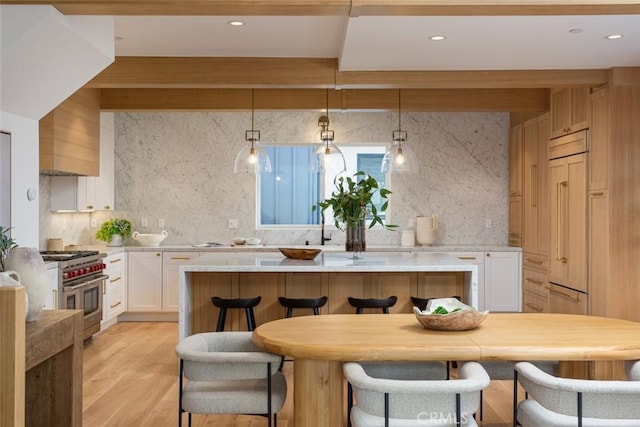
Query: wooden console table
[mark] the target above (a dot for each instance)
(49, 350)
(53, 347)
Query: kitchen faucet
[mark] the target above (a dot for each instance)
(322, 238)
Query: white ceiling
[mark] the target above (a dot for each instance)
(394, 42)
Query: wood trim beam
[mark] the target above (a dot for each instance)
(514, 100)
(210, 72)
(491, 8)
(474, 79)
(201, 72)
(352, 8)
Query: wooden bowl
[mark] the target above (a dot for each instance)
(462, 320)
(306, 254)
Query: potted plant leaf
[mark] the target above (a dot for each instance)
(6, 244)
(114, 231)
(352, 202)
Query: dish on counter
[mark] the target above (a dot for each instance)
(458, 317)
(152, 240)
(304, 254)
(239, 240)
(253, 241)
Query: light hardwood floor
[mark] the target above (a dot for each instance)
(131, 379)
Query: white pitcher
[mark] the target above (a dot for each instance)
(426, 229)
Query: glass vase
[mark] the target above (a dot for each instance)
(356, 239)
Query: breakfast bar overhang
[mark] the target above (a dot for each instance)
(335, 274)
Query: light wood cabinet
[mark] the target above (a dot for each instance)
(170, 279)
(144, 281)
(570, 110)
(535, 290)
(568, 301)
(515, 221)
(568, 257)
(515, 161)
(600, 286)
(600, 144)
(535, 204)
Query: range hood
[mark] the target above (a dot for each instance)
(47, 56)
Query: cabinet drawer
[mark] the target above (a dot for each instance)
(114, 304)
(568, 145)
(534, 303)
(535, 281)
(531, 260)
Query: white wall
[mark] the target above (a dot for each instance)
(24, 175)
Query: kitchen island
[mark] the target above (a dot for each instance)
(334, 274)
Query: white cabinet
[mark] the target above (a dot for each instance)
(499, 279)
(114, 292)
(144, 281)
(171, 279)
(51, 303)
(89, 193)
(502, 281)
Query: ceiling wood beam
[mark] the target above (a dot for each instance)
(514, 100)
(338, 7)
(208, 72)
(478, 79)
(193, 72)
(491, 7)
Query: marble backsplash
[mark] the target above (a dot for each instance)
(179, 167)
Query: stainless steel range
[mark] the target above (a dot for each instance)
(81, 281)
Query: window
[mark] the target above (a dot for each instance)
(286, 195)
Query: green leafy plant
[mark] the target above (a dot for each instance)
(352, 201)
(114, 226)
(6, 244)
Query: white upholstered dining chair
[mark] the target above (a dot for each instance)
(568, 402)
(395, 394)
(227, 373)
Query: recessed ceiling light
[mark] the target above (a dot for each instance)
(614, 36)
(436, 38)
(236, 23)
(576, 30)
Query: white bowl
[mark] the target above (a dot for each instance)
(253, 241)
(239, 240)
(150, 239)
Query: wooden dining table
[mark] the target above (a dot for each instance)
(320, 344)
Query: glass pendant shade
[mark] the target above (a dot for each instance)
(399, 157)
(252, 158)
(328, 158)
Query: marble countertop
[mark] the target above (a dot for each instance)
(111, 250)
(327, 262)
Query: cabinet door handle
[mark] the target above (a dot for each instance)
(533, 261)
(55, 299)
(90, 207)
(597, 194)
(113, 261)
(537, 282)
(466, 257)
(575, 297)
(114, 279)
(180, 258)
(115, 305)
(107, 208)
(560, 226)
(533, 188)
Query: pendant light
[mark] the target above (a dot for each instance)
(327, 157)
(252, 158)
(399, 157)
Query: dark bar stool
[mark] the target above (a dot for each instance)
(246, 303)
(421, 303)
(291, 303)
(383, 303)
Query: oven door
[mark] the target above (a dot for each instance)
(86, 296)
